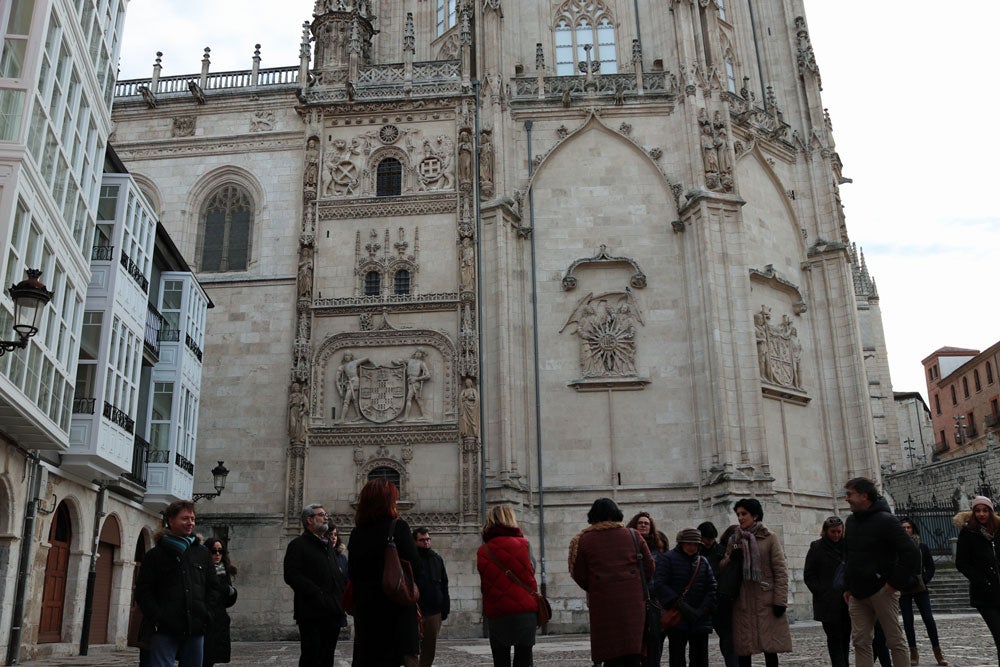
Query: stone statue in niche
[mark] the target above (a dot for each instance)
(305, 279)
(417, 374)
(296, 413)
(715, 152)
(311, 173)
(464, 157)
(468, 415)
(467, 271)
(486, 163)
(347, 385)
(779, 352)
(606, 329)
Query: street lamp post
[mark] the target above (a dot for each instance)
(910, 450)
(219, 475)
(30, 297)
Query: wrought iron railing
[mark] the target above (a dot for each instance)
(154, 324)
(934, 521)
(170, 335)
(135, 272)
(184, 464)
(118, 417)
(193, 346)
(102, 253)
(83, 406)
(140, 462)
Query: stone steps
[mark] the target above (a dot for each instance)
(950, 591)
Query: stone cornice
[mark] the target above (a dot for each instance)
(200, 146)
(393, 433)
(375, 207)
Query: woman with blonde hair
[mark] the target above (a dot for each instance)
(507, 577)
(978, 558)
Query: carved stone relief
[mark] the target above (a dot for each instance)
(183, 126)
(636, 280)
(779, 353)
(715, 152)
(341, 175)
(262, 121)
(435, 168)
(605, 325)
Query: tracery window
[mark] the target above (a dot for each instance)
(373, 283)
(401, 282)
(228, 222)
(385, 472)
(389, 178)
(447, 15)
(580, 23)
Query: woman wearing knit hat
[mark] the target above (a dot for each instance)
(683, 580)
(978, 558)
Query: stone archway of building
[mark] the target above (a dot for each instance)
(108, 543)
(134, 613)
(56, 568)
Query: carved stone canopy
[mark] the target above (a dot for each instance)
(637, 280)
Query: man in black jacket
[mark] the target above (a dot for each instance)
(175, 589)
(882, 560)
(311, 570)
(435, 603)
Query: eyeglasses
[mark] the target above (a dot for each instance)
(217, 551)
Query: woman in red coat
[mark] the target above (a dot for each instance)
(510, 608)
(603, 561)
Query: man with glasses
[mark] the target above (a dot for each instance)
(311, 570)
(434, 600)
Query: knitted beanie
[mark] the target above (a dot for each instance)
(981, 500)
(689, 535)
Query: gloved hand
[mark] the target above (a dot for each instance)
(688, 613)
(778, 609)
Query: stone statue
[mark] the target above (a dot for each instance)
(347, 382)
(464, 156)
(417, 374)
(305, 279)
(486, 163)
(760, 334)
(708, 148)
(296, 413)
(468, 416)
(311, 175)
(467, 271)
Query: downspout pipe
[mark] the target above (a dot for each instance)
(479, 315)
(24, 558)
(756, 48)
(538, 391)
(638, 26)
(88, 602)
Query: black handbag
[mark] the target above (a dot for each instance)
(651, 624)
(731, 578)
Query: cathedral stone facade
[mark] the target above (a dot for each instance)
(515, 251)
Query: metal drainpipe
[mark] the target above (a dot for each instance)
(756, 48)
(479, 318)
(538, 391)
(24, 558)
(88, 602)
(638, 26)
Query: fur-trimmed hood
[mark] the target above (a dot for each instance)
(963, 520)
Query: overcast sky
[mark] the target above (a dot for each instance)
(908, 84)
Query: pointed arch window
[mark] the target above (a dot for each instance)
(228, 223)
(373, 283)
(389, 178)
(580, 23)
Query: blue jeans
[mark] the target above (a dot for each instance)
(923, 600)
(165, 649)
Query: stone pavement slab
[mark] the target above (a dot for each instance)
(964, 638)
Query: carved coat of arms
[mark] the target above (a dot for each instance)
(381, 391)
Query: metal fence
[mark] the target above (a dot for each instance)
(934, 521)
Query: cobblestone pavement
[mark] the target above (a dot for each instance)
(964, 640)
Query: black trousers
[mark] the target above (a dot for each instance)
(318, 641)
(992, 617)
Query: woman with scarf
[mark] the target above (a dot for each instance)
(217, 640)
(508, 580)
(978, 558)
(923, 599)
(759, 621)
(825, 556)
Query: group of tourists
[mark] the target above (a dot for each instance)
(642, 594)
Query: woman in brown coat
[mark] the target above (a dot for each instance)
(759, 622)
(603, 561)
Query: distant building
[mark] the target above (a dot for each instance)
(963, 387)
(916, 431)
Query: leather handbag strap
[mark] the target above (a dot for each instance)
(391, 539)
(506, 570)
(697, 565)
(642, 569)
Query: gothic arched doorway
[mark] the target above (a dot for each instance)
(56, 567)
(109, 542)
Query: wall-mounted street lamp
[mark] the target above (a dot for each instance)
(30, 297)
(219, 475)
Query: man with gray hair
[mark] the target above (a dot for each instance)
(311, 570)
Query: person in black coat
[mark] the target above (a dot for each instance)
(218, 646)
(923, 599)
(675, 570)
(435, 602)
(311, 570)
(882, 560)
(386, 634)
(727, 586)
(978, 558)
(176, 590)
(825, 556)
